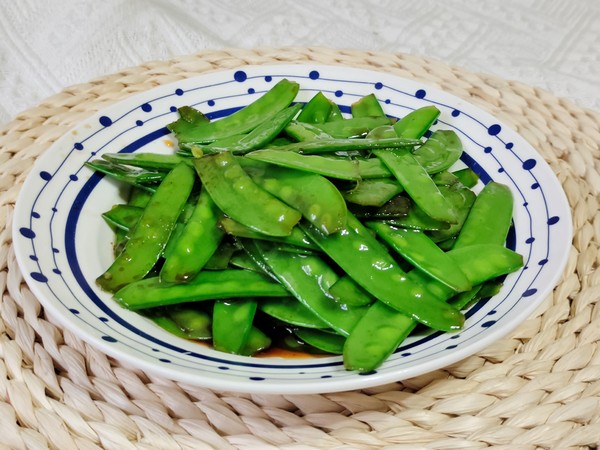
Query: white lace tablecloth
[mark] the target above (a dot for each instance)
(46, 46)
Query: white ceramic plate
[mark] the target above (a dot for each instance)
(62, 244)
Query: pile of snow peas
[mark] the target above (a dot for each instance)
(292, 225)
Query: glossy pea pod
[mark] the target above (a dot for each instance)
(316, 110)
(238, 196)
(207, 285)
(257, 138)
(232, 323)
(196, 243)
(315, 197)
(365, 259)
(263, 109)
(346, 144)
(152, 231)
(308, 279)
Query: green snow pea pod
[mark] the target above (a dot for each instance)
(304, 132)
(418, 184)
(291, 311)
(375, 337)
(123, 217)
(417, 122)
(242, 199)
(140, 178)
(396, 207)
(417, 219)
(151, 233)
(348, 292)
(316, 110)
(367, 106)
(343, 169)
(467, 177)
(314, 196)
(373, 192)
(326, 341)
(417, 248)
(308, 278)
(461, 200)
(242, 260)
(257, 138)
(341, 145)
(490, 215)
(197, 242)
(195, 322)
(352, 128)
(296, 237)
(439, 152)
(231, 324)
(207, 285)
(335, 114)
(154, 161)
(168, 324)
(263, 109)
(256, 342)
(365, 259)
(139, 197)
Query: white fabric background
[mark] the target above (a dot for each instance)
(46, 45)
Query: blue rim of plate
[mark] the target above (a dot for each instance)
(48, 231)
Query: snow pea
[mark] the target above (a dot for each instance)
(261, 110)
(490, 216)
(257, 138)
(352, 128)
(335, 114)
(141, 178)
(195, 322)
(375, 337)
(373, 192)
(314, 196)
(207, 285)
(139, 197)
(154, 161)
(297, 237)
(316, 110)
(417, 219)
(418, 249)
(242, 199)
(418, 184)
(151, 233)
(367, 106)
(416, 123)
(198, 240)
(231, 324)
(467, 177)
(461, 199)
(324, 340)
(348, 292)
(442, 149)
(304, 132)
(221, 257)
(341, 168)
(337, 145)
(123, 217)
(256, 342)
(365, 259)
(396, 207)
(308, 278)
(168, 324)
(291, 311)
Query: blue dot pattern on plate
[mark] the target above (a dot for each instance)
(116, 330)
(105, 121)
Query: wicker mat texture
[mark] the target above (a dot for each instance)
(538, 388)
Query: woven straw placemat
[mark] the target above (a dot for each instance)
(537, 388)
